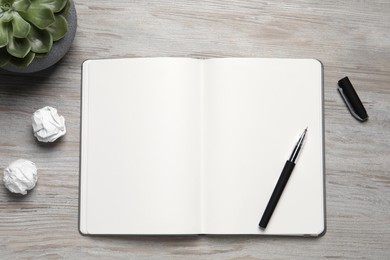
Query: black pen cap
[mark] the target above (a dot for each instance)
(352, 99)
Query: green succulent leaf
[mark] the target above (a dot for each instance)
(40, 55)
(5, 57)
(4, 39)
(41, 40)
(20, 27)
(40, 17)
(18, 47)
(65, 11)
(54, 5)
(59, 28)
(21, 5)
(23, 62)
(7, 16)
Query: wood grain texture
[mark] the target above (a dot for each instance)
(350, 38)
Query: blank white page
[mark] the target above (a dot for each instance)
(254, 112)
(140, 152)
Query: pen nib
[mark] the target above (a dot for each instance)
(298, 146)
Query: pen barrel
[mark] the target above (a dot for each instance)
(283, 179)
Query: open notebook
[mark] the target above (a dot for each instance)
(191, 146)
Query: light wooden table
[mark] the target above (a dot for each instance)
(350, 38)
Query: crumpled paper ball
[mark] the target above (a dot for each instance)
(20, 176)
(47, 125)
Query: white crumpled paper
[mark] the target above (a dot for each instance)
(20, 176)
(47, 125)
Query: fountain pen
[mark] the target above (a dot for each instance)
(284, 176)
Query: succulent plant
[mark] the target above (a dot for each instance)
(28, 29)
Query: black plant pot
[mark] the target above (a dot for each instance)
(59, 49)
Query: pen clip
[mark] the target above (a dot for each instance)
(354, 105)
